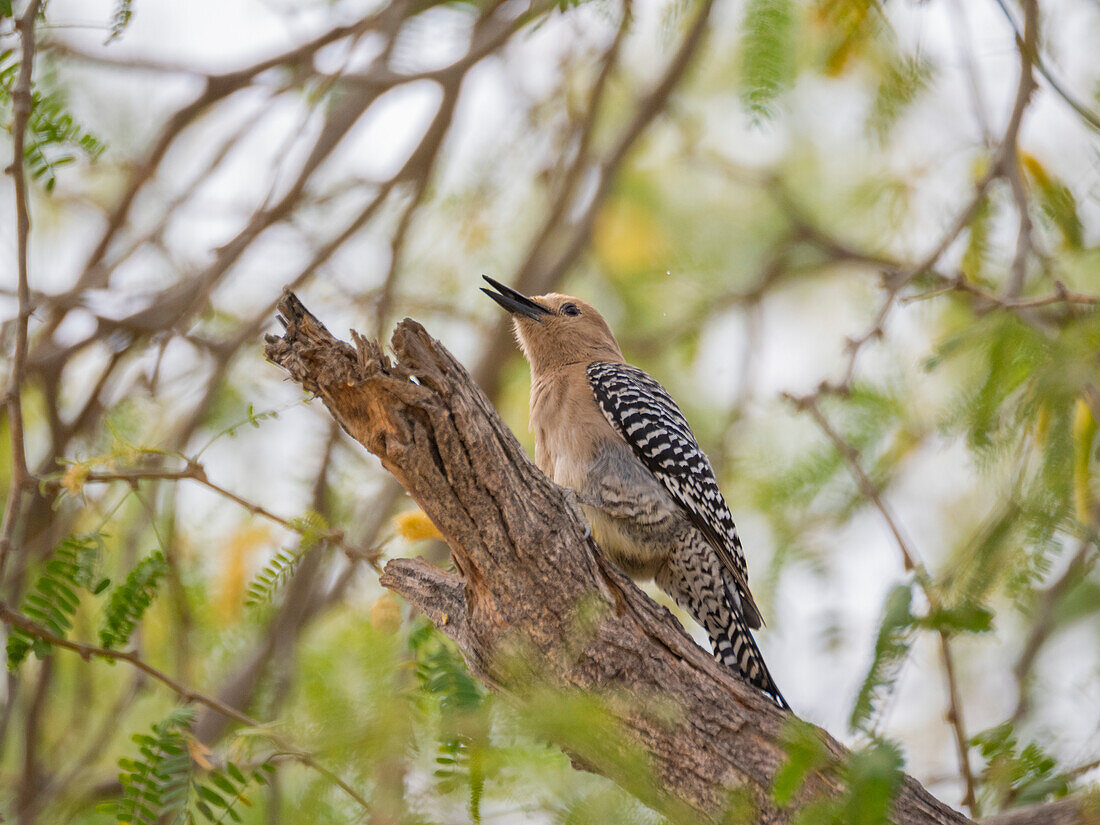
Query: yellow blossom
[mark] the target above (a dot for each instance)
(414, 525)
(385, 614)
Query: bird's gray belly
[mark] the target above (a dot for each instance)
(632, 516)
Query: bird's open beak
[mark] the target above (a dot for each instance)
(515, 302)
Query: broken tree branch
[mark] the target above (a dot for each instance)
(525, 570)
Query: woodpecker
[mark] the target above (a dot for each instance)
(612, 435)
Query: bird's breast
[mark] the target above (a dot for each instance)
(568, 426)
(631, 515)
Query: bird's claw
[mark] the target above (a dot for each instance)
(575, 504)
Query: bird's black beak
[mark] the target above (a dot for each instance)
(515, 302)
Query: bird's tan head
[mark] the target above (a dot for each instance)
(555, 330)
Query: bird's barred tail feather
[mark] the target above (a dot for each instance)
(693, 577)
(736, 649)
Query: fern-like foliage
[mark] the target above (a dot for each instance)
(978, 244)
(891, 647)
(120, 18)
(156, 782)
(52, 131)
(217, 798)
(130, 600)
(870, 777)
(277, 572)
(53, 600)
(903, 80)
(806, 752)
(162, 783)
(1014, 774)
(767, 54)
(464, 723)
(274, 576)
(1057, 201)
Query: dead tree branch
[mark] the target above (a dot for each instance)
(525, 568)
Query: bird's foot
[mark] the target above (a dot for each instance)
(575, 501)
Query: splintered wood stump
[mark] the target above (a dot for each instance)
(535, 604)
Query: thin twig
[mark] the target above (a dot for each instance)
(1003, 160)
(535, 275)
(194, 471)
(850, 454)
(21, 111)
(1035, 57)
(1060, 295)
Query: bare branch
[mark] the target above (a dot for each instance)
(1035, 57)
(1074, 811)
(194, 471)
(21, 110)
(558, 244)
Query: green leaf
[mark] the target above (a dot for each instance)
(54, 598)
(223, 783)
(966, 618)
(130, 600)
(873, 777)
(767, 55)
(891, 648)
(805, 751)
(210, 795)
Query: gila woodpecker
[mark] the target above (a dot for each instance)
(614, 436)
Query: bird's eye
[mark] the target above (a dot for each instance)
(570, 310)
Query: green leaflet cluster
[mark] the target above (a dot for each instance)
(895, 636)
(1014, 774)
(51, 128)
(464, 722)
(55, 597)
(871, 778)
(130, 600)
(281, 568)
(897, 630)
(162, 783)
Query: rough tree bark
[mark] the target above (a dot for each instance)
(527, 578)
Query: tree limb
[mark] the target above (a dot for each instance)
(525, 568)
(1083, 810)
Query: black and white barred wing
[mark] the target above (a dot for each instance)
(645, 415)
